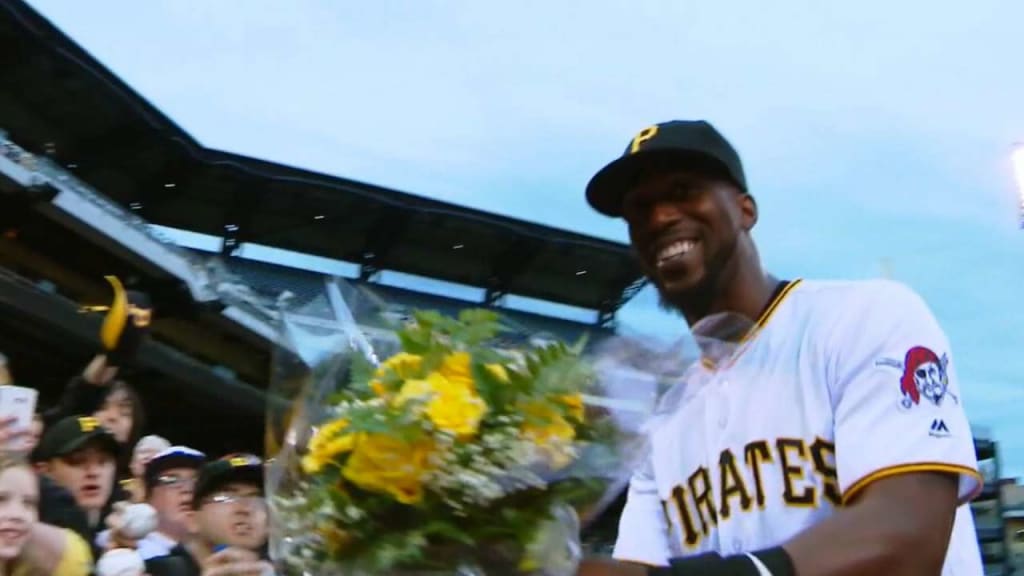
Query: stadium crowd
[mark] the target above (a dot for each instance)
(84, 490)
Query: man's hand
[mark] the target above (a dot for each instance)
(126, 324)
(99, 372)
(236, 562)
(115, 521)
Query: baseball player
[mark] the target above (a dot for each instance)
(832, 441)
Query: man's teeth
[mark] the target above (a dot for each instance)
(676, 249)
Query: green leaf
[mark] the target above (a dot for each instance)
(448, 530)
(428, 318)
(580, 345)
(361, 372)
(415, 341)
(476, 326)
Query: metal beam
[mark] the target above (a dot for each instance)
(109, 226)
(387, 229)
(385, 232)
(122, 142)
(238, 217)
(368, 270)
(16, 177)
(509, 265)
(494, 295)
(610, 307)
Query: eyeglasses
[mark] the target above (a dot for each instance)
(174, 481)
(251, 500)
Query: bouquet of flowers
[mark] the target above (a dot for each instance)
(452, 455)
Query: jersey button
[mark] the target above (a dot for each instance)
(737, 546)
(722, 421)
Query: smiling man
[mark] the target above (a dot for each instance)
(832, 442)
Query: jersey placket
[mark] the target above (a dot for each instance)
(716, 406)
(729, 533)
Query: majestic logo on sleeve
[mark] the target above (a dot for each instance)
(924, 376)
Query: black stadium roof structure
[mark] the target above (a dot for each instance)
(56, 99)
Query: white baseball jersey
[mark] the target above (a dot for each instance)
(838, 385)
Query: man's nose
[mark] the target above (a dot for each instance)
(663, 214)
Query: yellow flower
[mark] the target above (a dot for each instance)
(336, 538)
(550, 432)
(557, 429)
(419, 389)
(498, 371)
(327, 443)
(456, 368)
(378, 387)
(326, 433)
(313, 463)
(385, 464)
(456, 407)
(403, 364)
(574, 402)
(451, 405)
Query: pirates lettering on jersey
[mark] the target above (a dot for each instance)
(848, 384)
(700, 503)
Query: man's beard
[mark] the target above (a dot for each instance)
(698, 299)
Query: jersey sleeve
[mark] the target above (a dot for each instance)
(643, 528)
(895, 395)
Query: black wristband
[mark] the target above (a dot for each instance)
(710, 564)
(776, 560)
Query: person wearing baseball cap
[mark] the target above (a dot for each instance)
(799, 456)
(79, 456)
(169, 479)
(230, 522)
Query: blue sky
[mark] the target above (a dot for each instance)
(876, 135)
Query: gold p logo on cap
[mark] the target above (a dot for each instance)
(237, 461)
(88, 423)
(644, 135)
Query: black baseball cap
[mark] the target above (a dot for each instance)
(694, 143)
(169, 459)
(242, 468)
(72, 433)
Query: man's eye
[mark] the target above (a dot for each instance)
(683, 190)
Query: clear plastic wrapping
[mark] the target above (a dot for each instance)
(443, 445)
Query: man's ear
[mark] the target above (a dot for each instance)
(42, 467)
(748, 211)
